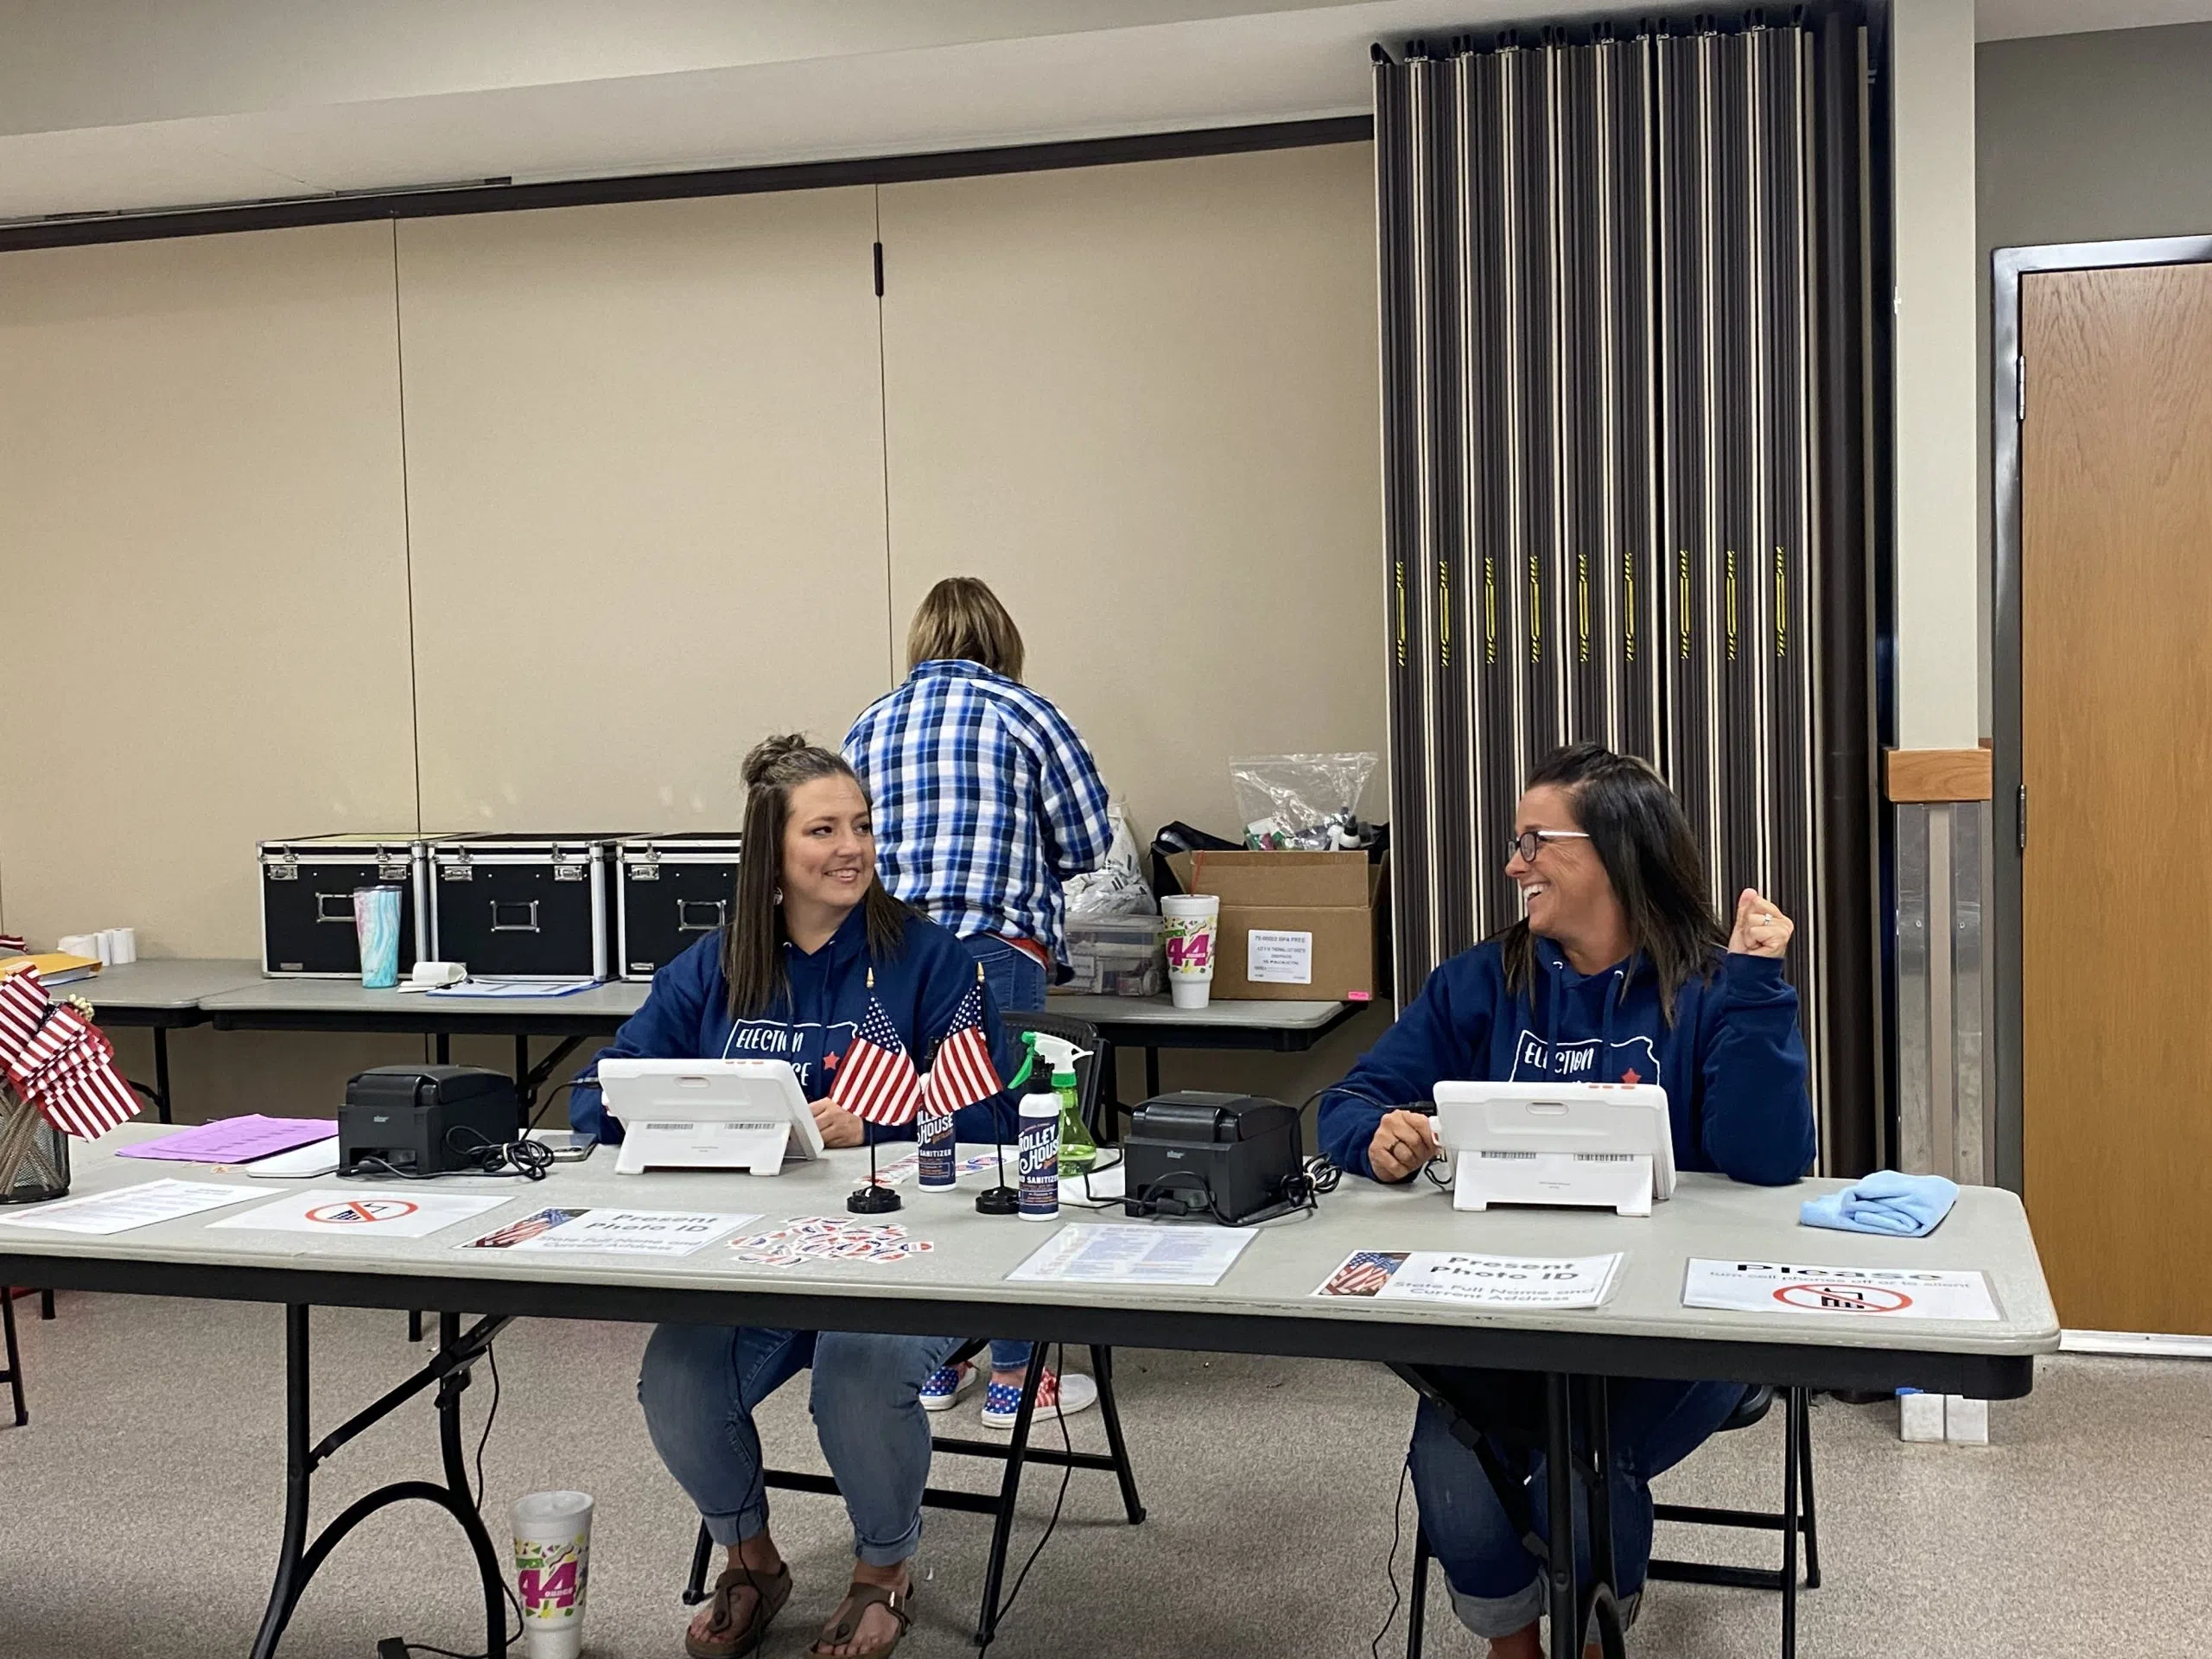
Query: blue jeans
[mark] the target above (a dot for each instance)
(1017, 981)
(1497, 1586)
(699, 1384)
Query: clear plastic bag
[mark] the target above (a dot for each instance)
(1117, 886)
(1305, 802)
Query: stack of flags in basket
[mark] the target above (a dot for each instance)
(58, 1061)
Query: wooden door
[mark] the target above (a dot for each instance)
(2116, 730)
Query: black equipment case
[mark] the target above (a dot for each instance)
(521, 905)
(669, 891)
(307, 900)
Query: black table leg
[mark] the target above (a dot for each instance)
(1152, 1074)
(298, 1560)
(299, 1466)
(162, 1072)
(443, 1048)
(1565, 1606)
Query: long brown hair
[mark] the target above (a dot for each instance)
(753, 945)
(1641, 836)
(961, 618)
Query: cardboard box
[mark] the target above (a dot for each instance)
(1303, 923)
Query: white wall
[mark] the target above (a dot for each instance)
(1942, 629)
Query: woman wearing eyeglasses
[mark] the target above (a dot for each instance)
(1621, 973)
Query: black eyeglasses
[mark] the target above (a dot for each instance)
(1529, 843)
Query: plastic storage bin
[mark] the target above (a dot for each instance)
(1116, 956)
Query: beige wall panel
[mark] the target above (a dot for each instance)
(1141, 402)
(203, 571)
(646, 495)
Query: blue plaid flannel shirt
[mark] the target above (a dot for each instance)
(986, 800)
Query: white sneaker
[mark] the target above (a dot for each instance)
(1057, 1396)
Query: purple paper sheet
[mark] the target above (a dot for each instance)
(235, 1140)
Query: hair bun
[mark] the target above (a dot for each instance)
(770, 753)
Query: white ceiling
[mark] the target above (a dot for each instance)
(115, 106)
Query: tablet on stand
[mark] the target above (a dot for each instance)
(747, 1114)
(1593, 1145)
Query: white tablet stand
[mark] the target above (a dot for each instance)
(1604, 1146)
(747, 1115)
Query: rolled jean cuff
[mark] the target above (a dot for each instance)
(890, 1554)
(1497, 1616)
(731, 1530)
(1492, 1617)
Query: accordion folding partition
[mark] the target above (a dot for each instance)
(1624, 385)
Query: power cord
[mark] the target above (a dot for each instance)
(1390, 1564)
(1067, 1445)
(1431, 1171)
(525, 1159)
(395, 1647)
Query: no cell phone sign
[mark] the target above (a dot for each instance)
(355, 1211)
(1843, 1299)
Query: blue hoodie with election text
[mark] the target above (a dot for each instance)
(1732, 1063)
(686, 1017)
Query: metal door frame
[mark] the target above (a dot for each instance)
(2007, 267)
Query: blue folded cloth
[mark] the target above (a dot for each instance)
(1903, 1206)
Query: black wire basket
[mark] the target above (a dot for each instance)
(34, 1155)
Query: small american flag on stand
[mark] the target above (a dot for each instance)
(876, 1082)
(961, 1073)
(59, 1061)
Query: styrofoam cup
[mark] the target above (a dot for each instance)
(552, 1532)
(1193, 930)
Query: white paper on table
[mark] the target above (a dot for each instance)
(1139, 1255)
(1097, 1186)
(379, 1212)
(131, 1206)
(1457, 1276)
(636, 1232)
(1880, 1292)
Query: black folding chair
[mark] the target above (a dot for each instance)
(13, 1375)
(1016, 1452)
(1794, 1520)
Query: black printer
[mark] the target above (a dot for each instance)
(1229, 1157)
(422, 1119)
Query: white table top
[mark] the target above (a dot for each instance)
(163, 982)
(616, 1000)
(1275, 1279)
(1159, 1011)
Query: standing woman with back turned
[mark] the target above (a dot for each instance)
(1620, 973)
(985, 801)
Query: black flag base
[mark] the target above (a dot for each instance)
(873, 1200)
(999, 1200)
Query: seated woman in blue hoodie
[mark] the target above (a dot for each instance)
(1621, 973)
(812, 940)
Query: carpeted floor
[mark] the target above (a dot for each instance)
(139, 1512)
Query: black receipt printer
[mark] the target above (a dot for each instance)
(420, 1120)
(1226, 1156)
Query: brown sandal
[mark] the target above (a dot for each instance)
(846, 1621)
(726, 1638)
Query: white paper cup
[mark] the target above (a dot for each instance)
(1193, 930)
(552, 1533)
